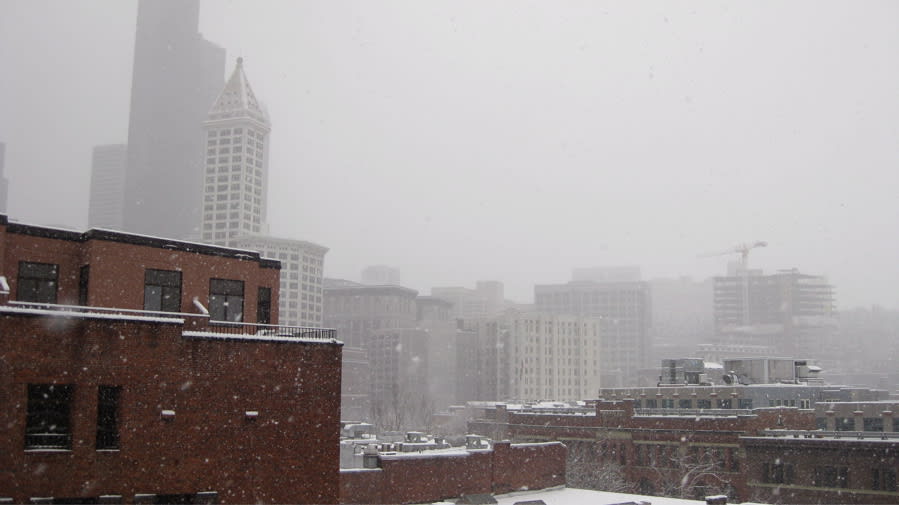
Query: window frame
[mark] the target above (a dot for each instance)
(28, 287)
(223, 295)
(169, 292)
(48, 419)
(108, 414)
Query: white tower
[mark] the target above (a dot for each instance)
(236, 173)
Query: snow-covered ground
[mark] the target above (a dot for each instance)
(571, 496)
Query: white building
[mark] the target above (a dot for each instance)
(552, 357)
(236, 176)
(107, 199)
(302, 264)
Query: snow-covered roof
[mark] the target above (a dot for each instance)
(258, 338)
(571, 496)
(6, 309)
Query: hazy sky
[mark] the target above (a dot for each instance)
(515, 140)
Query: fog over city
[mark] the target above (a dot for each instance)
(514, 140)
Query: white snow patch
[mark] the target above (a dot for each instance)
(90, 315)
(257, 338)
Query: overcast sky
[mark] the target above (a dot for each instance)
(515, 140)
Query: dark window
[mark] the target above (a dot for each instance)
(225, 300)
(845, 424)
(832, 476)
(37, 282)
(873, 424)
(724, 403)
(667, 403)
(651, 404)
(264, 306)
(108, 417)
(48, 424)
(884, 479)
(703, 404)
(778, 473)
(685, 404)
(83, 277)
(162, 290)
(745, 403)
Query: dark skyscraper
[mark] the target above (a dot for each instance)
(4, 185)
(177, 76)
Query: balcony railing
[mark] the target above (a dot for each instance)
(848, 435)
(272, 331)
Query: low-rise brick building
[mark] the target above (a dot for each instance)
(140, 370)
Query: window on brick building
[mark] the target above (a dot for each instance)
(48, 423)
(883, 479)
(703, 404)
(37, 282)
(264, 306)
(777, 473)
(108, 417)
(83, 278)
(162, 290)
(831, 476)
(226, 300)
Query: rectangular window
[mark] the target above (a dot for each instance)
(108, 417)
(225, 300)
(778, 473)
(37, 282)
(264, 306)
(832, 476)
(703, 404)
(49, 420)
(884, 479)
(162, 290)
(83, 277)
(745, 403)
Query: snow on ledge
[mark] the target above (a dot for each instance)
(257, 338)
(89, 315)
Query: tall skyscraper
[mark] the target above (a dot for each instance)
(177, 75)
(236, 175)
(107, 199)
(4, 184)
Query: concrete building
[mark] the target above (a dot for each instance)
(381, 275)
(624, 311)
(4, 184)
(118, 347)
(107, 199)
(790, 312)
(486, 300)
(176, 78)
(436, 318)
(302, 268)
(235, 189)
(682, 316)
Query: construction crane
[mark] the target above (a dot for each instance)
(743, 250)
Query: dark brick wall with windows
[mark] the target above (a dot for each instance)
(288, 454)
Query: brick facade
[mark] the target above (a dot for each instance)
(202, 416)
(422, 478)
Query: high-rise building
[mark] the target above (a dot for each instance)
(4, 184)
(381, 275)
(107, 198)
(485, 300)
(624, 311)
(177, 76)
(788, 312)
(235, 185)
(302, 264)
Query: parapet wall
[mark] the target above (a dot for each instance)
(424, 477)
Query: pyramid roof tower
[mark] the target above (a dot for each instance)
(237, 100)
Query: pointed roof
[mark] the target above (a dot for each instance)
(238, 100)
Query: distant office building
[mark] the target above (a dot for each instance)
(607, 274)
(235, 185)
(435, 316)
(107, 200)
(790, 312)
(177, 75)
(4, 184)
(682, 316)
(302, 267)
(487, 299)
(624, 312)
(381, 275)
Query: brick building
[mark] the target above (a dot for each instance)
(134, 370)
(688, 456)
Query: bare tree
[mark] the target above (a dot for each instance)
(591, 465)
(692, 474)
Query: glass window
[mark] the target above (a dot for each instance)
(162, 290)
(108, 417)
(264, 306)
(48, 423)
(37, 282)
(226, 300)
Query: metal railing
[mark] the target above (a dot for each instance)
(90, 309)
(273, 331)
(848, 435)
(692, 412)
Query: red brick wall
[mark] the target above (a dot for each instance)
(420, 478)
(117, 270)
(289, 454)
